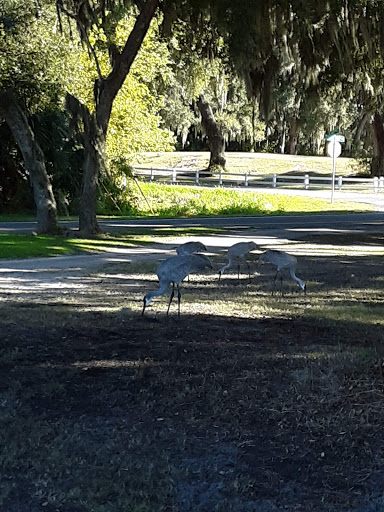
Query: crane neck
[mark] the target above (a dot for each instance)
(164, 285)
(297, 279)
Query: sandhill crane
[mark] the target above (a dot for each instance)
(172, 271)
(236, 253)
(190, 248)
(283, 260)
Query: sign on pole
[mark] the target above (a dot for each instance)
(330, 134)
(334, 140)
(334, 148)
(337, 138)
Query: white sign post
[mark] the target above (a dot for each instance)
(334, 150)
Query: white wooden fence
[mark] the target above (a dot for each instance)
(227, 179)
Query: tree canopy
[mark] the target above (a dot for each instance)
(140, 68)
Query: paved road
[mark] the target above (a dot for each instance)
(354, 221)
(369, 221)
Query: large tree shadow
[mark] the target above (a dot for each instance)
(274, 403)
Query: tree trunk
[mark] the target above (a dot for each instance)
(94, 144)
(356, 144)
(34, 163)
(96, 126)
(215, 137)
(377, 164)
(292, 141)
(283, 137)
(253, 125)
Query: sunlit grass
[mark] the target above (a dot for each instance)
(178, 201)
(205, 296)
(23, 246)
(359, 314)
(258, 163)
(29, 246)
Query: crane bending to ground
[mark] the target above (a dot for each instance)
(237, 253)
(190, 248)
(283, 260)
(173, 271)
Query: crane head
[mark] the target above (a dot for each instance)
(146, 301)
(302, 285)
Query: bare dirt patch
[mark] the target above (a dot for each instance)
(249, 402)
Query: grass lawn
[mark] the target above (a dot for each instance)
(188, 201)
(31, 246)
(255, 163)
(249, 402)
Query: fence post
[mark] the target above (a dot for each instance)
(245, 179)
(174, 176)
(220, 178)
(274, 180)
(151, 174)
(197, 178)
(339, 182)
(306, 181)
(375, 184)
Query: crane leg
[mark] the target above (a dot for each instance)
(281, 284)
(274, 282)
(178, 301)
(238, 273)
(249, 270)
(171, 297)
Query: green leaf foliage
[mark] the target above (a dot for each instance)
(135, 124)
(32, 54)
